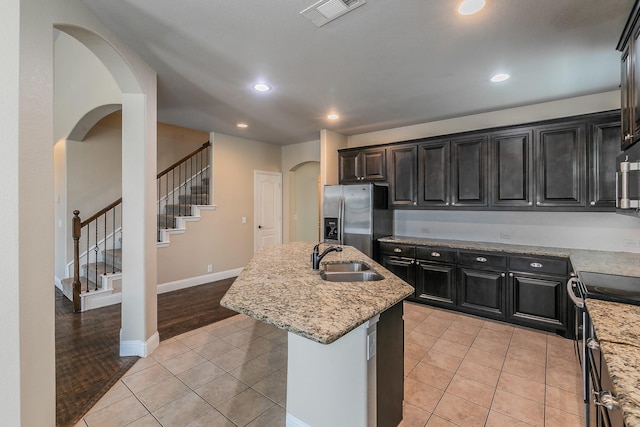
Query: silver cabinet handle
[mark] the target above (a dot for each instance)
(510, 274)
(435, 254)
(536, 265)
(502, 274)
(593, 203)
(417, 262)
(628, 137)
(607, 399)
(447, 204)
(481, 259)
(593, 344)
(397, 250)
(413, 261)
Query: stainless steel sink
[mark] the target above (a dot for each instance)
(341, 267)
(351, 276)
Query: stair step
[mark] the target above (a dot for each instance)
(200, 189)
(194, 199)
(93, 270)
(113, 257)
(67, 287)
(179, 210)
(166, 221)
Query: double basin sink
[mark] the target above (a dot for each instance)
(349, 272)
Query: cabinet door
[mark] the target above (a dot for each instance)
(626, 99)
(635, 84)
(435, 283)
(404, 268)
(348, 166)
(373, 163)
(482, 292)
(537, 301)
(511, 166)
(604, 149)
(433, 174)
(468, 167)
(561, 165)
(402, 175)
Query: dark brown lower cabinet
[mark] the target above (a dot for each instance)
(390, 367)
(526, 290)
(537, 301)
(436, 283)
(482, 292)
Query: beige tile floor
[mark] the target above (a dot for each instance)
(459, 371)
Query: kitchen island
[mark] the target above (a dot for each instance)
(333, 374)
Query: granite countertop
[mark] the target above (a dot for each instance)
(617, 328)
(621, 263)
(279, 287)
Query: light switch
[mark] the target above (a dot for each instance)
(244, 219)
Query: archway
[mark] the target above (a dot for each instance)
(139, 313)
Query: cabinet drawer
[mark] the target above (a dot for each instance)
(435, 254)
(539, 265)
(400, 250)
(478, 259)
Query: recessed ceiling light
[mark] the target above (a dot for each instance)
(500, 77)
(469, 7)
(333, 116)
(242, 125)
(262, 87)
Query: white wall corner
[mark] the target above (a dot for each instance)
(139, 348)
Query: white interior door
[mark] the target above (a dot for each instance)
(267, 188)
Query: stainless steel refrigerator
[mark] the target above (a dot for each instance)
(356, 215)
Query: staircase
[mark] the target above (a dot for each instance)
(183, 191)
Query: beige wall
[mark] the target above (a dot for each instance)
(306, 204)
(175, 142)
(511, 116)
(220, 238)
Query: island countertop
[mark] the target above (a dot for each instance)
(617, 327)
(279, 287)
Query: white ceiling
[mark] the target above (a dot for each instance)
(383, 65)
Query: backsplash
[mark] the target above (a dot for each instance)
(579, 230)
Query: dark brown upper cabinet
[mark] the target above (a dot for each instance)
(561, 169)
(511, 166)
(402, 164)
(469, 171)
(629, 45)
(602, 153)
(434, 174)
(361, 165)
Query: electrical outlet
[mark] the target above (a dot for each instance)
(505, 235)
(371, 345)
(244, 219)
(631, 243)
(425, 230)
(209, 268)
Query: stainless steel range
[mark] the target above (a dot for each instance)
(601, 406)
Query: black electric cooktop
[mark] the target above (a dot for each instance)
(610, 287)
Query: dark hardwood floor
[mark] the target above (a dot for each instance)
(87, 344)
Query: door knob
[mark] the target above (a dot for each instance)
(259, 226)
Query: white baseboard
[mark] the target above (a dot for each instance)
(137, 347)
(99, 301)
(199, 280)
(295, 422)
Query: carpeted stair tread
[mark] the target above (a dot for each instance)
(113, 257)
(200, 189)
(178, 210)
(166, 221)
(193, 199)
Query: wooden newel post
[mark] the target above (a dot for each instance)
(76, 261)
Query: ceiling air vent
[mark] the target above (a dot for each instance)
(327, 10)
